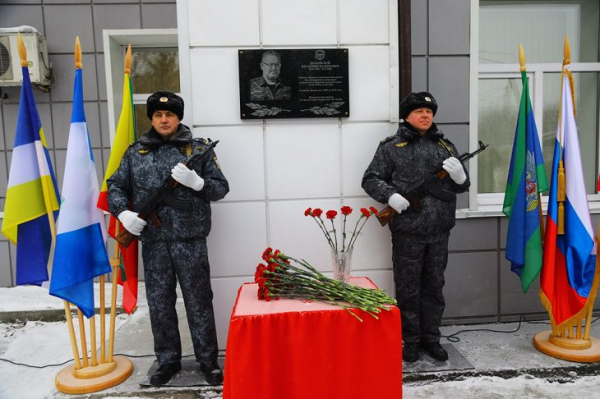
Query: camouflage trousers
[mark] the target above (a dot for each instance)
(419, 278)
(166, 262)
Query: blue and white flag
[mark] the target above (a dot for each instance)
(80, 253)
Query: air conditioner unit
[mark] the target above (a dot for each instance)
(40, 72)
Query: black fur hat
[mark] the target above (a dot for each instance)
(164, 101)
(417, 100)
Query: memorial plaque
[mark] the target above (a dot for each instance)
(303, 83)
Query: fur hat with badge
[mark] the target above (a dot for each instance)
(164, 101)
(417, 100)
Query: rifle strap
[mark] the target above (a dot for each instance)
(441, 141)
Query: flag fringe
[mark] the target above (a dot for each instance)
(567, 325)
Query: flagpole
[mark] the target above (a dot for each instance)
(524, 69)
(94, 377)
(568, 338)
(51, 220)
(116, 261)
(561, 189)
(102, 323)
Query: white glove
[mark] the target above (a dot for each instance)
(187, 177)
(398, 202)
(455, 170)
(132, 222)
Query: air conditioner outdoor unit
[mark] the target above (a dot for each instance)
(40, 72)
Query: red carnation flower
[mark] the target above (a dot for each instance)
(331, 214)
(307, 212)
(365, 212)
(346, 210)
(317, 212)
(373, 210)
(267, 254)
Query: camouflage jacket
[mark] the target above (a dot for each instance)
(404, 159)
(146, 164)
(260, 91)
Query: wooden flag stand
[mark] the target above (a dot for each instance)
(86, 376)
(572, 341)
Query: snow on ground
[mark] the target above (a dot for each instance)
(41, 343)
(524, 387)
(29, 297)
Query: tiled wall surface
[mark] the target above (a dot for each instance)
(60, 21)
(277, 169)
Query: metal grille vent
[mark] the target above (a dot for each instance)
(5, 69)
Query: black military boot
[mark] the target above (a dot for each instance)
(410, 352)
(435, 350)
(212, 373)
(164, 374)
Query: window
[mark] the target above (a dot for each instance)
(541, 26)
(152, 69)
(154, 66)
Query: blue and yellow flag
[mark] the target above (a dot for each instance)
(32, 195)
(522, 202)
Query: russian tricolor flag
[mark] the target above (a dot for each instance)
(569, 258)
(80, 253)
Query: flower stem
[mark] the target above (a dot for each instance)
(355, 233)
(321, 225)
(334, 235)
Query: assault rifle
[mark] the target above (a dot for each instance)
(426, 186)
(148, 208)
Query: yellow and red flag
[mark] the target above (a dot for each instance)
(124, 136)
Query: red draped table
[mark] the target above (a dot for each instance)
(293, 349)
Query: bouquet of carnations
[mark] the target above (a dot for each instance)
(331, 235)
(341, 253)
(286, 277)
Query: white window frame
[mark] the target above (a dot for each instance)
(481, 205)
(115, 42)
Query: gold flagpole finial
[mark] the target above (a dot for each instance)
(128, 60)
(78, 64)
(522, 57)
(567, 51)
(22, 50)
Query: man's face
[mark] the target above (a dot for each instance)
(421, 119)
(271, 66)
(165, 123)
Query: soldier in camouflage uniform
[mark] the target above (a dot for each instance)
(175, 250)
(419, 238)
(268, 86)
